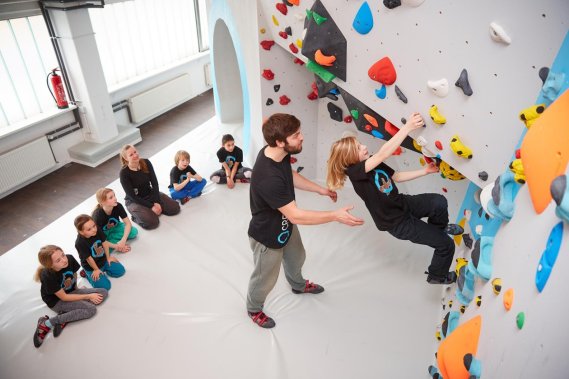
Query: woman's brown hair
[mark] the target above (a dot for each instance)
(124, 160)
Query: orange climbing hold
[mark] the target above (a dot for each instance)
(545, 151)
(390, 128)
(383, 71)
(508, 299)
(371, 120)
(324, 60)
(294, 2)
(463, 340)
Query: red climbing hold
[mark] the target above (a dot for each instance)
(383, 71)
(314, 87)
(268, 74)
(282, 8)
(397, 151)
(293, 159)
(312, 95)
(348, 119)
(283, 35)
(390, 128)
(518, 154)
(284, 100)
(293, 48)
(367, 128)
(445, 190)
(267, 44)
(439, 145)
(298, 61)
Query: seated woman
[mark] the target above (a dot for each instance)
(143, 198)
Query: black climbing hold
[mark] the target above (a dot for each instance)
(331, 96)
(277, 87)
(557, 188)
(299, 169)
(288, 30)
(391, 3)
(463, 83)
(400, 94)
(287, 3)
(269, 101)
(403, 120)
(467, 240)
(335, 112)
(543, 72)
(483, 175)
(323, 87)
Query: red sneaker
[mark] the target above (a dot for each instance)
(261, 319)
(310, 287)
(41, 331)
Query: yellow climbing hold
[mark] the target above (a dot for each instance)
(517, 168)
(497, 286)
(460, 262)
(458, 238)
(530, 114)
(459, 148)
(417, 146)
(422, 161)
(436, 116)
(275, 21)
(449, 172)
(262, 30)
(299, 43)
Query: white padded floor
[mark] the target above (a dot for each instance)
(179, 311)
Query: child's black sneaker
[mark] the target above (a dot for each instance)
(58, 328)
(41, 331)
(454, 229)
(184, 200)
(310, 287)
(261, 319)
(448, 279)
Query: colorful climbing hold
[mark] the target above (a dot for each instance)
(324, 74)
(517, 167)
(284, 100)
(483, 175)
(400, 94)
(451, 352)
(530, 114)
(560, 193)
(553, 85)
(439, 145)
(459, 148)
(318, 19)
(438, 335)
(293, 48)
(444, 190)
(450, 172)
(293, 159)
(383, 71)
(460, 262)
(363, 22)
(298, 61)
(282, 8)
(478, 300)
(462, 309)
(312, 95)
(335, 112)
(275, 21)
(268, 74)
(509, 299)
(371, 120)
(549, 256)
(267, 44)
(294, 2)
(436, 116)
(324, 60)
(299, 43)
(382, 92)
(543, 73)
(438, 87)
(520, 320)
(497, 285)
(463, 83)
(390, 128)
(262, 30)
(368, 128)
(355, 113)
(376, 134)
(283, 34)
(348, 119)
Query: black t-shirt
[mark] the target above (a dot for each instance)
(379, 193)
(140, 187)
(106, 222)
(178, 176)
(53, 281)
(91, 247)
(236, 156)
(271, 187)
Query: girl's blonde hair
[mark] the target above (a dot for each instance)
(44, 256)
(124, 161)
(181, 154)
(343, 154)
(101, 196)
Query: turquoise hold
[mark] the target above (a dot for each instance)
(382, 92)
(376, 134)
(363, 22)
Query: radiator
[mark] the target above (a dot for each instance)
(24, 163)
(160, 98)
(207, 74)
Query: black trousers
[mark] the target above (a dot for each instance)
(431, 233)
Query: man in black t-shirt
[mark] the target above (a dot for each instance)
(273, 236)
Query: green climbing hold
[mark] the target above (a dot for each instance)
(319, 19)
(324, 74)
(308, 13)
(520, 319)
(355, 113)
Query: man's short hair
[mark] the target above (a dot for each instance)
(278, 127)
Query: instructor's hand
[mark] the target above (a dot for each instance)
(343, 216)
(331, 194)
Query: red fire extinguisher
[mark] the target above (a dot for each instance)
(57, 85)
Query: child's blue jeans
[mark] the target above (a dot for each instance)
(192, 189)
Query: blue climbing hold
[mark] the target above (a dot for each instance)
(465, 285)
(376, 134)
(549, 256)
(553, 85)
(363, 22)
(382, 92)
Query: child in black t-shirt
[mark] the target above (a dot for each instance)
(93, 249)
(399, 214)
(108, 215)
(58, 277)
(230, 157)
(182, 187)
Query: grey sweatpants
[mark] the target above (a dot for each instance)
(220, 177)
(69, 311)
(267, 267)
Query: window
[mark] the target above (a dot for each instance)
(137, 37)
(26, 58)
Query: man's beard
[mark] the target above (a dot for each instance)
(292, 150)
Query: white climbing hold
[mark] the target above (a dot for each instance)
(304, 34)
(412, 3)
(428, 153)
(421, 141)
(486, 198)
(438, 87)
(300, 16)
(498, 34)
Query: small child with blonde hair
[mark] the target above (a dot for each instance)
(57, 274)
(182, 187)
(108, 215)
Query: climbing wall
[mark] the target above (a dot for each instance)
(481, 73)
